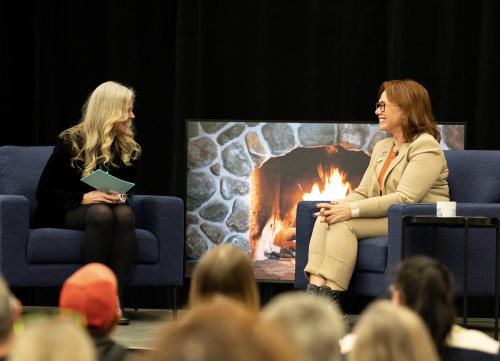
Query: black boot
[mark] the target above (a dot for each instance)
(336, 298)
(312, 290)
(124, 320)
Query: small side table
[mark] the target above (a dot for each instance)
(458, 222)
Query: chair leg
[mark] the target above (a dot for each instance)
(135, 298)
(174, 302)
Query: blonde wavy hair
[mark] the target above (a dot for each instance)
(92, 139)
(386, 332)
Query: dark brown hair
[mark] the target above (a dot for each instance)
(225, 270)
(426, 286)
(414, 100)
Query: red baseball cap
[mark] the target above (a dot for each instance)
(92, 291)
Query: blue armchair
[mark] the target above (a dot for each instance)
(45, 257)
(474, 180)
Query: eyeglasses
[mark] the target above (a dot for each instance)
(382, 105)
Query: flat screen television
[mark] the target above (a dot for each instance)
(244, 180)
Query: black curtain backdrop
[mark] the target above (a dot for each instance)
(272, 60)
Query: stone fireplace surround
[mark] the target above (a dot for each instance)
(222, 155)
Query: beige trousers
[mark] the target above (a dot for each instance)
(333, 252)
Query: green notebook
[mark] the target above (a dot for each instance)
(104, 182)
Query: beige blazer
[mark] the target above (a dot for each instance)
(417, 175)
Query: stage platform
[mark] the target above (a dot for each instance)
(146, 325)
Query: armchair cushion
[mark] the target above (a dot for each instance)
(51, 245)
(372, 255)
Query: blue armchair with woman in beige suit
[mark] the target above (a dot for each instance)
(408, 167)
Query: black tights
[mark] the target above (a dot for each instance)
(110, 238)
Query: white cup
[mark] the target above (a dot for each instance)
(446, 209)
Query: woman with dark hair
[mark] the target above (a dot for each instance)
(103, 139)
(426, 286)
(408, 167)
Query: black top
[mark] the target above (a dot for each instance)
(60, 188)
(109, 350)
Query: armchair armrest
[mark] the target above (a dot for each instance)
(14, 231)
(164, 217)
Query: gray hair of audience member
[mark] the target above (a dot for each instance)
(311, 325)
(6, 310)
(386, 332)
(54, 340)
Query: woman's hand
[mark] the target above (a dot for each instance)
(102, 197)
(121, 196)
(337, 211)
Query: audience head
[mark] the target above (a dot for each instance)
(426, 286)
(54, 340)
(309, 323)
(92, 292)
(225, 270)
(10, 310)
(414, 100)
(221, 329)
(388, 333)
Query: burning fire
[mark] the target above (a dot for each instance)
(335, 188)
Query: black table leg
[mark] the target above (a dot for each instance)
(434, 244)
(466, 268)
(403, 236)
(497, 256)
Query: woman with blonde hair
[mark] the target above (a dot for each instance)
(228, 271)
(388, 333)
(55, 340)
(104, 139)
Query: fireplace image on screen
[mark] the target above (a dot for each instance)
(245, 179)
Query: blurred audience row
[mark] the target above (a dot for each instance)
(224, 322)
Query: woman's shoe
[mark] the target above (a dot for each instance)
(124, 320)
(337, 299)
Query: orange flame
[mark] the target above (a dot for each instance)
(335, 188)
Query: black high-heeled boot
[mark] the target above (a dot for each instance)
(337, 299)
(312, 290)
